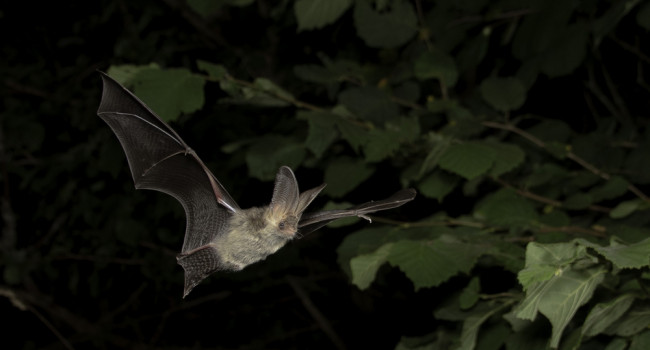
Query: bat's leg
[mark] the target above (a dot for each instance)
(365, 217)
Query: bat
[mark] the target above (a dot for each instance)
(219, 235)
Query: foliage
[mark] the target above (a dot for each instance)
(522, 125)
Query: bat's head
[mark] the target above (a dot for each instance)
(288, 203)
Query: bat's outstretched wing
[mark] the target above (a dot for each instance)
(310, 222)
(160, 160)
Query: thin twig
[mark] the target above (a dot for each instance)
(573, 229)
(528, 194)
(618, 100)
(500, 16)
(51, 327)
(569, 154)
(600, 95)
(516, 130)
(212, 34)
(405, 103)
(630, 48)
(293, 101)
(322, 322)
(446, 222)
(423, 28)
(545, 200)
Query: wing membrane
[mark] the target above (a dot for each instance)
(310, 222)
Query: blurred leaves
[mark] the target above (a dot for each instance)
(315, 14)
(503, 94)
(387, 27)
(168, 92)
(522, 126)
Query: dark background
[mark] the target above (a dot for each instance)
(68, 180)
(93, 261)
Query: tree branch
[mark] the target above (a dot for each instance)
(569, 154)
(322, 322)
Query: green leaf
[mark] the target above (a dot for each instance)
(503, 94)
(540, 31)
(603, 315)
(322, 130)
(354, 134)
(216, 71)
(345, 174)
(472, 53)
(625, 208)
(544, 174)
(472, 325)
(269, 153)
(539, 257)
(536, 274)
(369, 103)
(613, 188)
(641, 341)
(637, 165)
(468, 160)
(364, 241)
(469, 296)
(390, 28)
(507, 157)
(169, 92)
(624, 256)
(493, 337)
(506, 208)
(552, 130)
(124, 73)
(368, 240)
(635, 319)
(437, 185)
(440, 145)
(568, 51)
(563, 295)
(263, 93)
(364, 267)
(314, 14)
(617, 344)
(428, 264)
(554, 254)
(382, 143)
(543, 261)
(507, 254)
(270, 87)
(436, 65)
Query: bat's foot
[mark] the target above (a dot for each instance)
(365, 217)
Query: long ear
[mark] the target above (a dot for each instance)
(307, 197)
(285, 193)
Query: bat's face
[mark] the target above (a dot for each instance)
(282, 224)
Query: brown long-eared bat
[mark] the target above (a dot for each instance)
(219, 234)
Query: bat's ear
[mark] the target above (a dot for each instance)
(285, 192)
(307, 197)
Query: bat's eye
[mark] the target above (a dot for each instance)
(281, 225)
